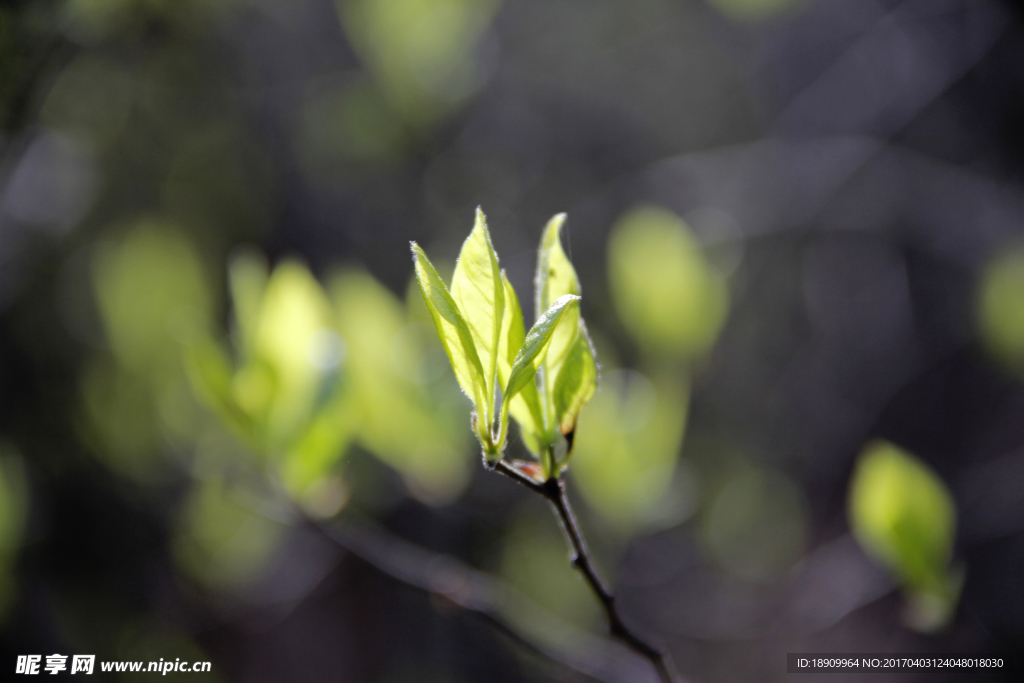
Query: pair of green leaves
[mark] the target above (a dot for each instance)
(545, 376)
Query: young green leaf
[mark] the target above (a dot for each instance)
(525, 367)
(555, 278)
(555, 274)
(537, 343)
(525, 406)
(576, 382)
(478, 290)
(451, 328)
(904, 516)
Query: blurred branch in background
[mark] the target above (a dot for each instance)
(488, 599)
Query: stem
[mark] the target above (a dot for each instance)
(503, 467)
(554, 491)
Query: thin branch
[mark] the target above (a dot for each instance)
(517, 475)
(554, 491)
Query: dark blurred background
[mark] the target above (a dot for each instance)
(797, 224)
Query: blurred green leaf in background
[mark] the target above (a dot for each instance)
(904, 517)
(628, 446)
(152, 290)
(184, 417)
(665, 291)
(674, 303)
(421, 52)
(153, 293)
(222, 539)
(1001, 307)
(13, 514)
(756, 524)
(282, 392)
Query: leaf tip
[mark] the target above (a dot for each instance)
(556, 223)
(480, 219)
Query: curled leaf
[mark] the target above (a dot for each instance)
(525, 406)
(478, 290)
(555, 278)
(451, 328)
(576, 382)
(536, 345)
(526, 364)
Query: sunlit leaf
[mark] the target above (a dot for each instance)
(479, 292)
(524, 406)
(528, 360)
(451, 328)
(576, 382)
(555, 278)
(537, 344)
(904, 516)
(665, 291)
